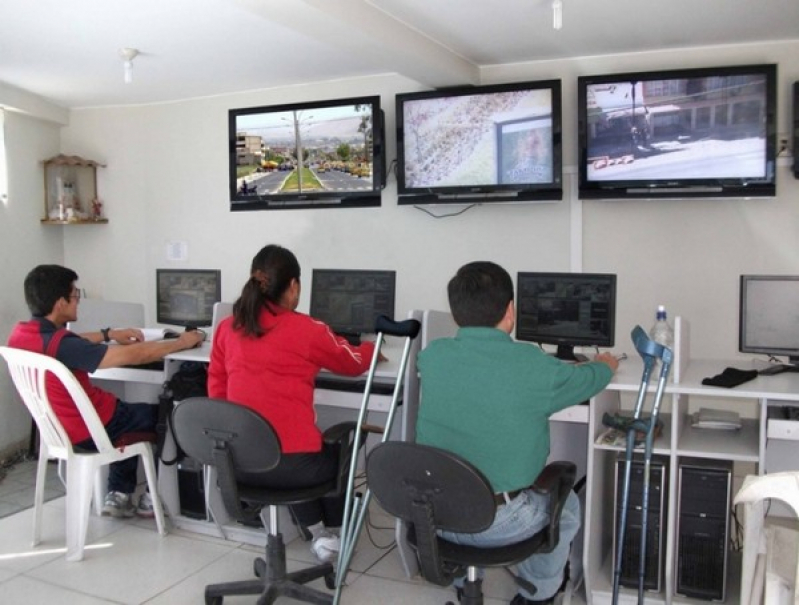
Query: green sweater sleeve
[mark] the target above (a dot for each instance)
(574, 383)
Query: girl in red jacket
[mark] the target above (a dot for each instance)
(266, 356)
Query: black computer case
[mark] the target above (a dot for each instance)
(703, 526)
(656, 522)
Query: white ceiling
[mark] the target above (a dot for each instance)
(68, 50)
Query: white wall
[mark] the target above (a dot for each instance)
(166, 180)
(686, 254)
(25, 243)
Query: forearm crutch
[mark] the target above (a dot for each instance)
(355, 508)
(650, 352)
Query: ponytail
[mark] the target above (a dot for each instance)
(271, 273)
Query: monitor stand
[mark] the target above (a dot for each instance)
(566, 353)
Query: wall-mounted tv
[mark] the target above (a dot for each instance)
(685, 133)
(324, 154)
(499, 143)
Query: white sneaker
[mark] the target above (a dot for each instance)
(145, 508)
(118, 505)
(326, 546)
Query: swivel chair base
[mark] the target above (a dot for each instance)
(273, 581)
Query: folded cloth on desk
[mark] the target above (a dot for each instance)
(158, 333)
(730, 377)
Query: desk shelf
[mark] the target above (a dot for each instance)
(739, 445)
(755, 443)
(661, 446)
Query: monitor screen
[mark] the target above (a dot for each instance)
(483, 144)
(322, 154)
(769, 315)
(349, 301)
(567, 310)
(707, 132)
(186, 297)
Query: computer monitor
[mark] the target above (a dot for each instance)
(769, 315)
(349, 301)
(567, 310)
(186, 297)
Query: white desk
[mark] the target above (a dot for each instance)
(333, 405)
(751, 444)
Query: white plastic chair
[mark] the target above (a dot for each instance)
(28, 372)
(754, 493)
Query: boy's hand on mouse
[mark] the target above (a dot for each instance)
(609, 359)
(191, 338)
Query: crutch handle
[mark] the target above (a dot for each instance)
(647, 347)
(408, 328)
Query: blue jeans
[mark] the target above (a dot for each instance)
(127, 418)
(525, 516)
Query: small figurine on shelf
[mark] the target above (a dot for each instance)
(97, 209)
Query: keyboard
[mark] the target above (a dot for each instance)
(153, 365)
(778, 368)
(358, 385)
(790, 412)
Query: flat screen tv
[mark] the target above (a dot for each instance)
(186, 297)
(350, 300)
(324, 154)
(685, 133)
(769, 316)
(499, 143)
(567, 310)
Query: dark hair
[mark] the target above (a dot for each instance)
(45, 285)
(479, 294)
(271, 273)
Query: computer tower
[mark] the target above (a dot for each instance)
(703, 525)
(191, 489)
(655, 521)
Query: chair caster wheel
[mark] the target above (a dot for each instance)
(259, 567)
(330, 581)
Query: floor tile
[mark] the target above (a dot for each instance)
(23, 590)
(127, 562)
(133, 566)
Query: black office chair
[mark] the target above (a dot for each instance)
(432, 489)
(237, 441)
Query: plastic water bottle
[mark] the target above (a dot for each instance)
(662, 332)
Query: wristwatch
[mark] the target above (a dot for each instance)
(104, 332)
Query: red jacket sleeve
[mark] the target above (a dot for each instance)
(217, 372)
(336, 355)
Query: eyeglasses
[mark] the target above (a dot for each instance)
(76, 295)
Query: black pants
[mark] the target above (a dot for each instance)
(306, 470)
(127, 418)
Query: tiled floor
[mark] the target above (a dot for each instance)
(126, 561)
(17, 483)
